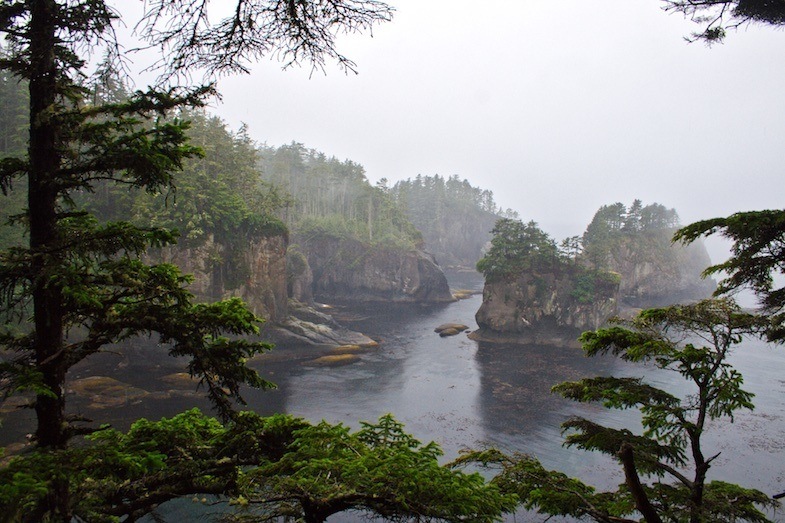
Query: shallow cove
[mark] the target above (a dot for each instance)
(455, 391)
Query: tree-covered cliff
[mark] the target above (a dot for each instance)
(636, 242)
(455, 218)
(350, 240)
(333, 197)
(626, 257)
(536, 292)
(229, 236)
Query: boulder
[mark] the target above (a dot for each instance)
(450, 329)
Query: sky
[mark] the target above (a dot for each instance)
(557, 106)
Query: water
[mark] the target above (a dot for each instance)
(461, 393)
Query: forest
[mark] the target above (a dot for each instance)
(99, 180)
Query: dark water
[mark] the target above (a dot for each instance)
(461, 393)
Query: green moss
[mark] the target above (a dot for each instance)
(593, 285)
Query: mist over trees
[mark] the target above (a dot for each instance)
(614, 223)
(73, 281)
(328, 196)
(455, 218)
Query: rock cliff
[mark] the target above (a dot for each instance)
(656, 272)
(349, 270)
(546, 308)
(255, 273)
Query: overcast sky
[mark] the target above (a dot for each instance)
(558, 107)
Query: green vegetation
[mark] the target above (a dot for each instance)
(455, 218)
(648, 227)
(590, 284)
(692, 340)
(257, 469)
(758, 255)
(219, 202)
(333, 198)
(517, 247)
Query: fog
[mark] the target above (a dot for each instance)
(557, 107)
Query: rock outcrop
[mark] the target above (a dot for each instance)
(349, 270)
(257, 273)
(544, 308)
(307, 326)
(656, 272)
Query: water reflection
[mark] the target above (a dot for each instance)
(429, 383)
(458, 393)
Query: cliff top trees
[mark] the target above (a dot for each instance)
(611, 223)
(454, 217)
(517, 247)
(334, 198)
(82, 281)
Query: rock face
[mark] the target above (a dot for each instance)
(307, 326)
(299, 276)
(349, 270)
(655, 272)
(257, 273)
(542, 308)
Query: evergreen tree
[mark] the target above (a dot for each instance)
(758, 258)
(718, 16)
(255, 469)
(694, 341)
(82, 281)
(517, 247)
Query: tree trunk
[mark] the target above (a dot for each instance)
(634, 484)
(48, 311)
(313, 512)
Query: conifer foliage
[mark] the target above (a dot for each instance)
(666, 466)
(81, 281)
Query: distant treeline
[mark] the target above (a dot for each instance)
(241, 187)
(327, 196)
(454, 217)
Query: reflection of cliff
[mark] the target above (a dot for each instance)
(546, 307)
(349, 270)
(516, 382)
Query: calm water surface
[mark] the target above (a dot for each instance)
(461, 393)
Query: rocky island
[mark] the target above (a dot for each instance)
(538, 292)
